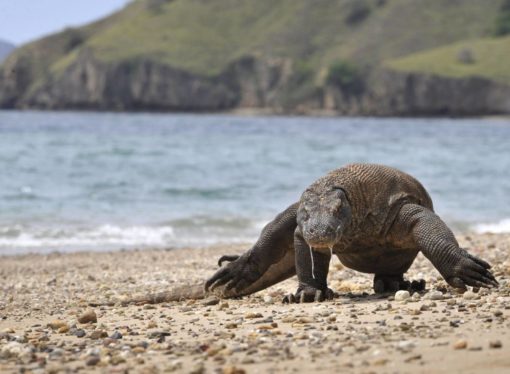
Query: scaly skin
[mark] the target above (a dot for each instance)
(376, 219)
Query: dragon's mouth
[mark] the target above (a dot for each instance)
(320, 243)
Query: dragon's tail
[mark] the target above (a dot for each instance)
(194, 292)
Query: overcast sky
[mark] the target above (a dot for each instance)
(25, 20)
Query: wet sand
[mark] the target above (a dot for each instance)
(43, 297)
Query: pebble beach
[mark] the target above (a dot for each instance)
(47, 325)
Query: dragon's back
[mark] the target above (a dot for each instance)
(375, 192)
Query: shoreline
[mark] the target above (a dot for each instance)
(438, 331)
(262, 112)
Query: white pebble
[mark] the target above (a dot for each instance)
(435, 295)
(402, 295)
(416, 296)
(406, 345)
(470, 295)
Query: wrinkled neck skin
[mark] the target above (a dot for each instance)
(324, 218)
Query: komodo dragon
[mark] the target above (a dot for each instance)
(374, 218)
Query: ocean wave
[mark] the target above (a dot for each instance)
(500, 227)
(16, 239)
(104, 235)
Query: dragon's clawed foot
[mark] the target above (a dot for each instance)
(387, 284)
(228, 258)
(308, 295)
(235, 276)
(470, 271)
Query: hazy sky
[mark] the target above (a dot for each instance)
(25, 20)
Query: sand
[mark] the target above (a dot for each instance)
(42, 297)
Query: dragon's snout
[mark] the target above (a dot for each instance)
(320, 233)
(323, 217)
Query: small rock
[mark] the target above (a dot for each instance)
(380, 362)
(460, 344)
(138, 350)
(11, 349)
(470, 295)
(158, 334)
(92, 361)
(495, 344)
(224, 306)
(402, 295)
(109, 341)
(80, 333)
(253, 315)
(268, 299)
(406, 345)
(63, 329)
(152, 325)
(55, 325)
(233, 370)
(413, 358)
(56, 354)
(435, 295)
(116, 335)
(27, 356)
(98, 334)
(88, 317)
(416, 297)
(213, 300)
(117, 359)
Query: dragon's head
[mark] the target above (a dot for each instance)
(323, 216)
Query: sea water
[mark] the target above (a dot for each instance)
(73, 180)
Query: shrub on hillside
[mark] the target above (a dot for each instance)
(502, 25)
(346, 76)
(359, 10)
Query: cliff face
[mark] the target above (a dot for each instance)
(249, 82)
(144, 85)
(390, 93)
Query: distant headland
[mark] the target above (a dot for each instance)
(343, 57)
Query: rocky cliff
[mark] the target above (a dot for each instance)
(248, 82)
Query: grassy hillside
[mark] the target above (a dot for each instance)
(204, 36)
(488, 58)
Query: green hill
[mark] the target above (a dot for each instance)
(487, 58)
(206, 38)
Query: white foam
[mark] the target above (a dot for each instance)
(500, 227)
(105, 235)
(18, 239)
